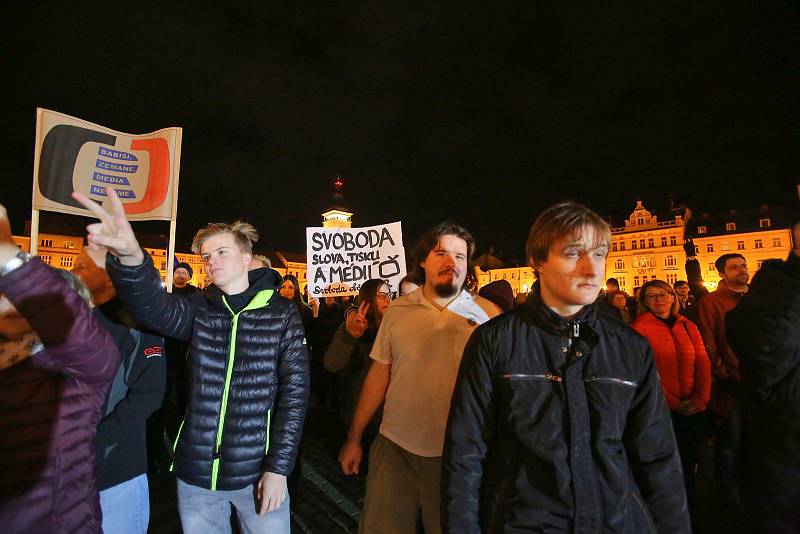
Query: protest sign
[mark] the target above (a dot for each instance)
(75, 155)
(341, 259)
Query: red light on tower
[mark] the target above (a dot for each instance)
(338, 183)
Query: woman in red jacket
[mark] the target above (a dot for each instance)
(683, 366)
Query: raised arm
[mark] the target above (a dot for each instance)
(132, 272)
(76, 342)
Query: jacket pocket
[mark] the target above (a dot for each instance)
(612, 380)
(549, 377)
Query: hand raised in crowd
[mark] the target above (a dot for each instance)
(356, 323)
(314, 303)
(272, 492)
(8, 249)
(113, 232)
(5, 226)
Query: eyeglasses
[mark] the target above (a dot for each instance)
(660, 296)
(383, 295)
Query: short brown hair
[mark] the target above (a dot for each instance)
(676, 306)
(245, 234)
(563, 220)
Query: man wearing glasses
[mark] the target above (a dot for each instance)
(416, 356)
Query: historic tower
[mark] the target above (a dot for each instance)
(337, 216)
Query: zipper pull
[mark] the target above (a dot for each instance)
(218, 454)
(552, 377)
(576, 330)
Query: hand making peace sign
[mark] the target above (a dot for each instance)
(356, 323)
(113, 232)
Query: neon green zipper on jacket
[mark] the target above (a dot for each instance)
(259, 301)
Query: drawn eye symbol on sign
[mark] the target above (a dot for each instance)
(59, 154)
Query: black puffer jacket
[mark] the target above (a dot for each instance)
(560, 426)
(248, 368)
(764, 330)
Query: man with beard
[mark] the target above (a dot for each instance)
(712, 309)
(417, 353)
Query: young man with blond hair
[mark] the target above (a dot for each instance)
(558, 421)
(249, 372)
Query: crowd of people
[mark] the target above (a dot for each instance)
(576, 408)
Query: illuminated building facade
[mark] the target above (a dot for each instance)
(647, 247)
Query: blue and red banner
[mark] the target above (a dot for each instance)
(75, 155)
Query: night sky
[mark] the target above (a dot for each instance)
(484, 115)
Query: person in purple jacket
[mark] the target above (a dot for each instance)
(56, 364)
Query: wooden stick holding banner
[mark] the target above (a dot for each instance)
(170, 255)
(34, 245)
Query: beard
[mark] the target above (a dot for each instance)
(446, 290)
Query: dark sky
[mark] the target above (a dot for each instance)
(483, 114)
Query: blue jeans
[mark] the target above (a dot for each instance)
(204, 511)
(126, 507)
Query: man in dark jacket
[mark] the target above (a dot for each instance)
(248, 366)
(558, 422)
(763, 330)
(135, 393)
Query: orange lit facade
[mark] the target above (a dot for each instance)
(645, 248)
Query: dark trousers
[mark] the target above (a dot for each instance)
(689, 433)
(728, 432)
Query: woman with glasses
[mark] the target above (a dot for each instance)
(683, 366)
(349, 351)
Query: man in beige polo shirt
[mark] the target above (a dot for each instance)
(416, 357)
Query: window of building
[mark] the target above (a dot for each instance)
(740, 245)
(673, 241)
(650, 243)
(635, 281)
(672, 278)
(712, 268)
(619, 265)
(613, 247)
(730, 226)
(759, 243)
(66, 261)
(670, 261)
(701, 230)
(663, 241)
(709, 247)
(641, 243)
(725, 246)
(640, 221)
(764, 223)
(776, 241)
(46, 243)
(622, 282)
(622, 245)
(45, 258)
(69, 244)
(633, 245)
(759, 263)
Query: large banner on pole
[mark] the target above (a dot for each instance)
(75, 155)
(341, 259)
